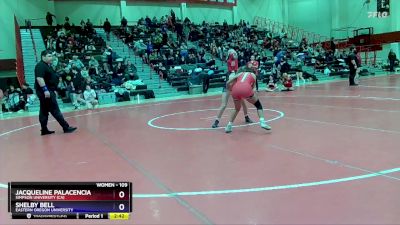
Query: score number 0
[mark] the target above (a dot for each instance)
(121, 206)
(121, 195)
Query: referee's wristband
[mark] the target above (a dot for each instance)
(44, 88)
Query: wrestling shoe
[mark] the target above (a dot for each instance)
(215, 125)
(228, 128)
(264, 125)
(248, 120)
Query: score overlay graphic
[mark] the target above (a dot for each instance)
(70, 200)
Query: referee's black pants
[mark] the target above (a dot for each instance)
(50, 105)
(352, 75)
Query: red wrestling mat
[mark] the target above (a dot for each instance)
(331, 158)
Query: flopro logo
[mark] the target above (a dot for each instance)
(378, 14)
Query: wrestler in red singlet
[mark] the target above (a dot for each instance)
(243, 87)
(233, 66)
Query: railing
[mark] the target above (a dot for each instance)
(293, 33)
(297, 34)
(32, 21)
(19, 56)
(367, 50)
(34, 45)
(227, 3)
(28, 25)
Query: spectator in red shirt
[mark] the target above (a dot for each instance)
(233, 63)
(253, 64)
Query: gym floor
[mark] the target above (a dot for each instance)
(332, 157)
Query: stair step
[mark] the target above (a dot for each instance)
(29, 55)
(168, 95)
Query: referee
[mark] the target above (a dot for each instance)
(352, 62)
(46, 81)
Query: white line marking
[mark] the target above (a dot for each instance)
(344, 125)
(381, 87)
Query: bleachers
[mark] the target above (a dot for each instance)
(160, 87)
(174, 83)
(177, 81)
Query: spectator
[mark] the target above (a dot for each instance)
(27, 94)
(107, 28)
(327, 71)
(285, 67)
(89, 26)
(163, 20)
(225, 24)
(77, 62)
(149, 48)
(109, 57)
(173, 17)
(12, 90)
(61, 87)
(93, 66)
(54, 64)
(84, 72)
(352, 63)
(61, 42)
(154, 21)
(299, 71)
(333, 45)
(253, 64)
(195, 77)
(233, 63)
(67, 25)
(5, 106)
(179, 31)
(90, 97)
(124, 22)
(131, 70)
(392, 59)
(49, 18)
(186, 31)
(282, 34)
(303, 45)
(206, 80)
(82, 25)
(118, 75)
(280, 55)
(271, 86)
(77, 88)
(287, 82)
(89, 48)
(148, 21)
(93, 62)
(141, 22)
(192, 59)
(187, 20)
(13, 98)
(2, 104)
